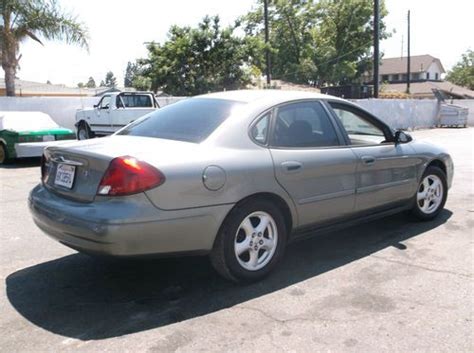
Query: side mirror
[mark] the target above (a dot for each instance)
(402, 137)
(95, 105)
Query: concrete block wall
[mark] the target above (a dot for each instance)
(398, 113)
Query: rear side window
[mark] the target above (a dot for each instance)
(259, 130)
(304, 124)
(191, 120)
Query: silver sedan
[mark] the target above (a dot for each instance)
(236, 175)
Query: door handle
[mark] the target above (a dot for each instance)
(368, 160)
(291, 166)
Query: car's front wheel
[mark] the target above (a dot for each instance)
(431, 194)
(84, 132)
(251, 241)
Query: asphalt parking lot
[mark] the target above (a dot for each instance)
(389, 285)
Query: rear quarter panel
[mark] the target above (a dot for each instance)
(247, 172)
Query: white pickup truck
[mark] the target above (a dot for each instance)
(114, 111)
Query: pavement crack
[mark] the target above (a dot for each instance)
(285, 321)
(426, 268)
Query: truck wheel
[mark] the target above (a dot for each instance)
(3, 154)
(84, 132)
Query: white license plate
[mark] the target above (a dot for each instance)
(65, 175)
(48, 138)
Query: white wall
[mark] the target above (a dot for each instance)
(61, 109)
(398, 113)
(434, 69)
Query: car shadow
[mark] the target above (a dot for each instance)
(19, 163)
(90, 299)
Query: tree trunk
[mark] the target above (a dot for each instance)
(9, 80)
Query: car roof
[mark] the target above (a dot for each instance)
(250, 96)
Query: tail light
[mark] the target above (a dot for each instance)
(127, 175)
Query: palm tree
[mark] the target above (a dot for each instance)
(35, 19)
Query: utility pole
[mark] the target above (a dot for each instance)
(376, 48)
(267, 50)
(408, 54)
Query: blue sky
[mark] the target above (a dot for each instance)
(118, 30)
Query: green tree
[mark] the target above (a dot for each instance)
(90, 83)
(463, 72)
(130, 73)
(35, 19)
(197, 60)
(328, 41)
(81, 85)
(141, 83)
(110, 80)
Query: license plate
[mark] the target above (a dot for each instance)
(48, 138)
(65, 175)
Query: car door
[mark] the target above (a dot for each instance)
(311, 162)
(100, 122)
(386, 171)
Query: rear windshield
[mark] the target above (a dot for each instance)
(190, 120)
(134, 101)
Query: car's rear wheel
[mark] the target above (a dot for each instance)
(3, 154)
(251, 241)
(84, 132)
(431, 194)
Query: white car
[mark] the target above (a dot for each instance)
(113, 112)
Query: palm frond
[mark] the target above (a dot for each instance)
(45, 18)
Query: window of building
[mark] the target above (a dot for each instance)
(384, 78)
(436, 76)
(427, 75)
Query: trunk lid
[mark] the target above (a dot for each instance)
(75, 169)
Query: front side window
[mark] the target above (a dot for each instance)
(359, 129)
(304, 124)
(105, 102)
(191, 120)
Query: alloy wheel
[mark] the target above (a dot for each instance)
(430, 194)
(256, 241)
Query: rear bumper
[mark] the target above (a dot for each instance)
(127, 226)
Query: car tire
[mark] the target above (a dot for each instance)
(4, 158)
(431, 194)
(84, 132)
(261, 245)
